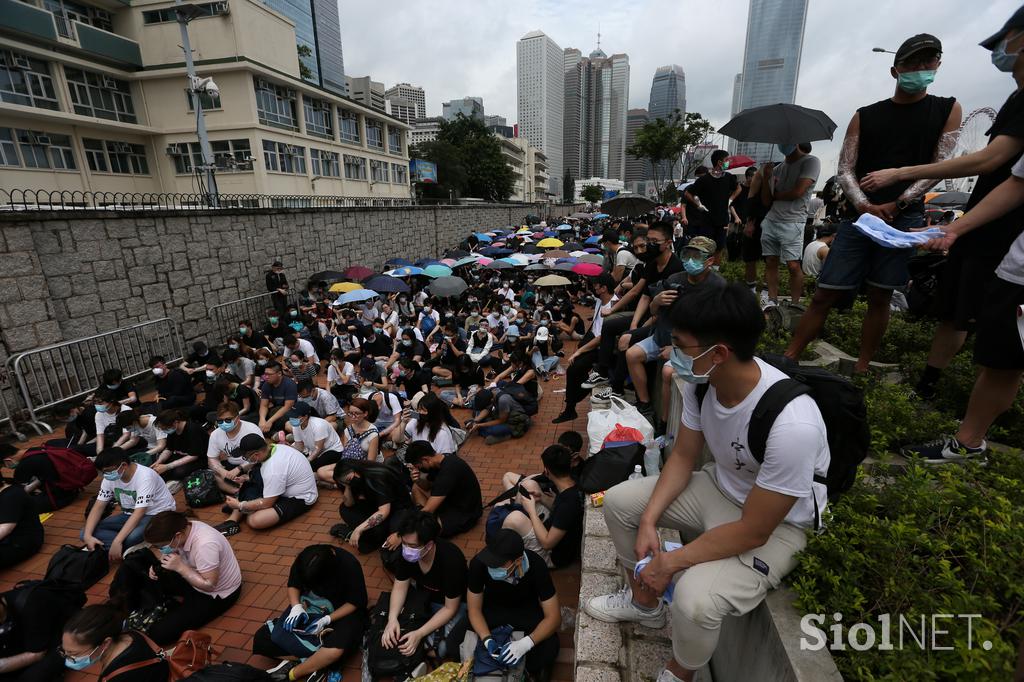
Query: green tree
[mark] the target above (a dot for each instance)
(667, 140)
(670, 194)
(568, 188)
(304, 53)
(469, 161)
(592, 193)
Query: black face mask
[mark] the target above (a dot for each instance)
(651, 254)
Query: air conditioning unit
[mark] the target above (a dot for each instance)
(41, 139)
(291, 93)
(172, 150)
(109, 82)
(22, 63)
(122, 147)
(290, 150)
(220, 8)
(262, 84)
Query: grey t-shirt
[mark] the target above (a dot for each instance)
(786, 176)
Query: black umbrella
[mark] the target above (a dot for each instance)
(950, 199)
(627, 205)
(537, 266)
(383, 284)
(531, 248)
(780, 124)
(327, 276)
(447, 286)
(456, 254)
(573, 246)
(499, 265)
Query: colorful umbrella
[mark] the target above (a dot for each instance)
(511, 261)
(386, 285)
(599, 216)
(448, 261)
(551, 243)
(739, 161)
(552, 281)
(564, 227)
(482, 260)
(405, 271)
(344, 287)
(587, 269)
(356, 296)
(480, 236)
(566, 267)
(591, 258)
(357, 273)
(591, 249)
(557, 254)
(463, 261)
(596, 239)
(437, 270)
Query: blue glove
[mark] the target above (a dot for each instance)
(492, 648)
(296, 617)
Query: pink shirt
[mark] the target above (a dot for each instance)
(205, 550)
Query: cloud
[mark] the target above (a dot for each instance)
(457, 49)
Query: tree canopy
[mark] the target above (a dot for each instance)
(469, 161)
(670, 140)
(592, 193)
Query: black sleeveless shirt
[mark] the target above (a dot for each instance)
(894, 135)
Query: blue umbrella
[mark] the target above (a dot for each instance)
(424, 262)
(463, 261)
(356, 296)
(592, 250)
(596, 239)
(386, 285)
(565, 260)
(496, 251)
(549, 233)
(564, 227)
(511, 261)
(437, 270)
(482, 237)
(398, 262)
(406, 271)
(598, 216)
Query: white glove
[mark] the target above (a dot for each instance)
(318, 625)
(516, 650)
(296, 612)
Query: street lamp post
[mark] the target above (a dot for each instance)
(196, 86)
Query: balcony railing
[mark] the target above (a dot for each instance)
(19, 17)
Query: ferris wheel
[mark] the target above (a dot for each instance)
(972, 138)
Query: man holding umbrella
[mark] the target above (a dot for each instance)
(909, 128)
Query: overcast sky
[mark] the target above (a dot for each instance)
(456, 49)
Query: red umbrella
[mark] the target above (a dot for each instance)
(676, 209)
(739, 161)
(357, 273)
(587, 269)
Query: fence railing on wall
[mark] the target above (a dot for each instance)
(224, 317)
(54, 374)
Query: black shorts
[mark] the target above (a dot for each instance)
(963, 281)
(998, 345)
(347, 633)
(752, 246)
(289, 508)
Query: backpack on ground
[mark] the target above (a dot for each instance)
(201, 489)
(610, 466)
(77, 568)
(842, 408)
(383, 662)
(71, 599)
(74, 470)
(230, 672)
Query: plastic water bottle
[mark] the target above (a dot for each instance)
(638, 473)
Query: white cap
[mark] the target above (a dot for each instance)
(542, 334)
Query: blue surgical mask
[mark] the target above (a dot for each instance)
(81, 662)
(786, 150)
(166, 549)
(682, 364)
(101, 408)
(297, 326)
(693, 266)
(295, 422)
(914, 82)
(1003, 60)
(113, 386)
(497, 573)
(111, 475)
(226, 426)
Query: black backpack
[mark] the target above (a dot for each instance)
(609, 466)
(390, 662)
(201, 489)
(229, 672)
(76, 568)
(842, 409)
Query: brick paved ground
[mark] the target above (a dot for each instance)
(266, 556)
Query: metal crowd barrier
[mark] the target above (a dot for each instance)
(51, 375)
(225, 316)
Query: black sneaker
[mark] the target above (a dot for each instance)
(340, 530)
(494, 440)
(943, 450)
(594, 379)
(646, 411)
(925, 391)
(564, 417)
(279, 673)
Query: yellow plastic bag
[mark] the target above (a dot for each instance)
(448, 672)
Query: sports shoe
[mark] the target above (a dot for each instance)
(564, 417)
(765, 300)
(279, 673)
(618, 607)
(943, 450)
(646, 411)
(602, 397)
(595, 378)
(174, 486)
(494, 440)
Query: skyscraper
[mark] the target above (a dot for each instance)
(771, 60)
(470, 107)
(596, 102)
(668, 92)
(318, 30)
(367, 91)
(737, 91)
(409, 93)
(636, 169)
(539, 92)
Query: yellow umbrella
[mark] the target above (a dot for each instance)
(344, 287)
(550, 242)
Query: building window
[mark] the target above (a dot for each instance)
(64, 12)
(229, 156)
(284, 158)
(399, 174)
(318, 117)
(375, 134)
(348, 125)
(206, 101)
(276, 105)
(26, 80)
(206, 9)
(355, 167)
(62, 155)
(32, 153)
(394, 140)
(325, 163)
(41, 150)
(95, 94)
(378, 170)
(109, 156)
(8, 150)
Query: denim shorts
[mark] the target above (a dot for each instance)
(854, 259)
(650, 348)
(784, 240)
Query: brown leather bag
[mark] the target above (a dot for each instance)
(194, 651)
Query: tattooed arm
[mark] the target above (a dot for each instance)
(376, 519)
(847, 174)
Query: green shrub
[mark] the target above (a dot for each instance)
(897, 417)
(941, 540)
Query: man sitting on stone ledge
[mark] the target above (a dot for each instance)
(743, 522)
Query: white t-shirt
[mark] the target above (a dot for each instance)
(390, 319)
(307, 349)
(288, 473)
(626, 259)
(334, 375)
(317, 429)
(1011, 269)
(243, 368)
(796, 450)
(221, 444)
(811, 264)
(105, 419)
(507, 293)
(323, 402)
(149, 432)
(600, 309)
(442, 443)
(145, 489)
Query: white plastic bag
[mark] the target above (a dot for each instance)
(618, 413)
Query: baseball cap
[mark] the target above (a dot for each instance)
(705, 245)
(503, 547)
(277, 264)
(513, 330)
(542, 334)
(918, 43)
(249, 443)
(299, 409)
(1015, 21)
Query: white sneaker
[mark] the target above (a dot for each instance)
(619, 607)
(765, 300)
(603, 396)
(173, 486)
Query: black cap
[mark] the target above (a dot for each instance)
(503, 547)
(918, 43)
(300, 409)
(249, 443)
(277, 264)
(1015, 21)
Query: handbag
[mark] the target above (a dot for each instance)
(600, 423)
(194, 651)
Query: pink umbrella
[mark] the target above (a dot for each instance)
(483, 260)
(498, 244)
(587, 269)
(448, 261)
